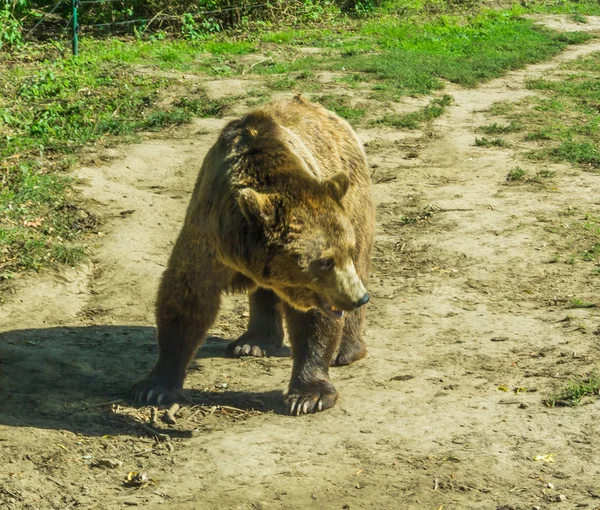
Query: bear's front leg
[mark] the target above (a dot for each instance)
(187, 305)
(265, 329)
(314, 338)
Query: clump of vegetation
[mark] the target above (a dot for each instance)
(500, 129)
(580, 303)
(576, 391)
(563, 116)
(413, 120)
(341, 105)
(580, 238)
(47, 112)
(516, 174)
(491, 142)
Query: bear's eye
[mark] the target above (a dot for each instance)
(324, 264)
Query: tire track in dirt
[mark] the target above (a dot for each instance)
(420, 421)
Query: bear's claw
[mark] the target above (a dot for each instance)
(299, 402)
(253, 345)
(149, 392)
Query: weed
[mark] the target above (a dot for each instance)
(516, 174)
(538, 135)
(10, 28)
(499, 129)
(575, 391)
(546, 174)
(413, 120)
(424, 215)
(578, 237)
(592, 253)
(342, 106)
(578, 18)
(203, 106)
(579, 303)
(494, 142)
(285, 83)
(501, 108)
(584, 153)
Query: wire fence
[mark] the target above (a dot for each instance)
(76, 6)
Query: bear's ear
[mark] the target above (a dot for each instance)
(257, 206)
(338, 185)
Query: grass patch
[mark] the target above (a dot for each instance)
(564, 116)
(413, 120)
(48, 110)
(491, 142)
(576, 391)
(413, 54)
(414, 59)
(585, 154)
(578, 236)
(342, 106)
(500, 129)
(574, 8)
(580, 303)
(516, 174)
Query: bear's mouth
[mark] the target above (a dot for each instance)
(330, 310)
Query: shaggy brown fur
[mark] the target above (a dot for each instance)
(281, 208)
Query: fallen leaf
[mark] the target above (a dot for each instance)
(35, 223)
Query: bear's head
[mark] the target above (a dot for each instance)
(307, 245)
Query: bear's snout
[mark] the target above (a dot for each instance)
(362, 301)
(349, 291)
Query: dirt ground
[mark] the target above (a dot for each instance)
(465, 304)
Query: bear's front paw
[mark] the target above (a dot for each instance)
(310, 398)
(350, 351)
(253, 345)
(150, 391)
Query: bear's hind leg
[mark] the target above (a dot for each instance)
(185, 310)
(314, 338)
(352, 347)
(265, 329)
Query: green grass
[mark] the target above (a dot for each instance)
(415, 55)
(342, 106)
(576, 391)
(516, 174)
(491, 142)
(585, 154)
(48, 110)
(414, 59)
(413, 120)
(519, 175)
(52, 105)
(577, 235)
(564, 115)
(500, 129)
(580, 303)
(574, 8)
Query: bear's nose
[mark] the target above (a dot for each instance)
(362, 301)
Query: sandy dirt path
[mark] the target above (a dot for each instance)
(464, 302)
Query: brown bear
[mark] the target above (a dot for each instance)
(282, 208)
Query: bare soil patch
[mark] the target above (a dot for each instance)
(466, 337)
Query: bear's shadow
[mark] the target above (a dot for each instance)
(59, 378)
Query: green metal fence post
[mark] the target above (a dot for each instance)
(74, 5)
